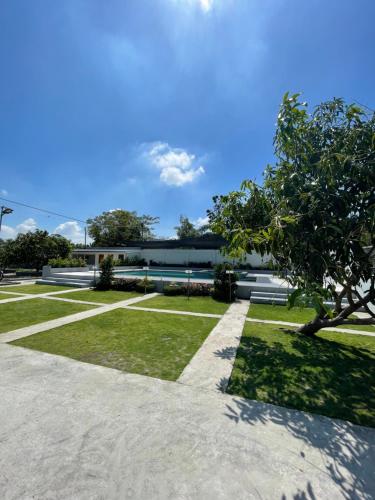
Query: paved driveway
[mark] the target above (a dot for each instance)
(70, 430)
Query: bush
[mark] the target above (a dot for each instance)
(173, 289)
(197, 289)
(225, 284)
(145, 286)
(125, 285)
(68, 262)
(106, 274)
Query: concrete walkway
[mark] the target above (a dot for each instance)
(72, 318)
(296, 325)
(212, 365)
(71, 430)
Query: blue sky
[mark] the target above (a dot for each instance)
(157, 105)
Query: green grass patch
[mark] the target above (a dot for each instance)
(294, 315)
(281, 313)
(6, 296)
(332, 374)
(14, 315)
(35, 289)
(157, 345)
(107, 297)
(181, 303)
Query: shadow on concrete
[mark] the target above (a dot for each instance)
(313, 375)
(307, 494)
(348, 450)
(226, 352)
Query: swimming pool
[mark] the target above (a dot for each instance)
(204, 274)
(166, 273)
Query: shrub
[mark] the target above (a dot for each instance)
(145, 286)
(224, 283)
(197, 289)
(133, 260)
(68, 262)
(125, 285)
(106, 274)
(173, 289)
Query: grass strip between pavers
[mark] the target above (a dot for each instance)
(153, 344)
(15, 315)
(36, 289)
(181, 303)
(105, 297)
(295, 315)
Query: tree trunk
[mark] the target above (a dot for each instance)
(310, 329)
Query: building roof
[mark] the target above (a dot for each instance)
(209, 242)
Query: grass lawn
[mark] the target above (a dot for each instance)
(157, 345)
(333, 374)
(181, 303)
(35, 289)
(107, 297)
(14, 315)
(8, 296)
(295, 315)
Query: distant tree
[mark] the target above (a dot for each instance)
(115, 227)
(34, 249)
(315, 212)
(186, 229)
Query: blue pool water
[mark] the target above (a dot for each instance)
(175, 273)
(203, 275)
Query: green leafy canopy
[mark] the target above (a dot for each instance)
(315, 212)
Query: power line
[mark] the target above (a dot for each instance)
(43, 210)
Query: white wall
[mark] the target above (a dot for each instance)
(183, 256)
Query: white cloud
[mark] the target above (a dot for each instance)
(26, 226)
(206, 5)
(71, 230)
(8, 232)
(201, 221)
(3, 192)
(177, 166)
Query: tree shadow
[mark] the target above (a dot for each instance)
(318, 376)
(307, 494)
(226, 352)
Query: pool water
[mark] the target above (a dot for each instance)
(203, 275)
(175, 273)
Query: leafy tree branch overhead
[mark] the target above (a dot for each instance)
(315, 212)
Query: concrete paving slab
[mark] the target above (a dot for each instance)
(212, 365)
(70, 430)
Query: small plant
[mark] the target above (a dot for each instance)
(124, 285)
(145, 286)
(225, 282)
(106, 274)
(197, 289)
(173, 289)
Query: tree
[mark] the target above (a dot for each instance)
(115, 227)
(315, 210)
(34, 249)
(186, 229)
(106, 274)
(225, 282)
